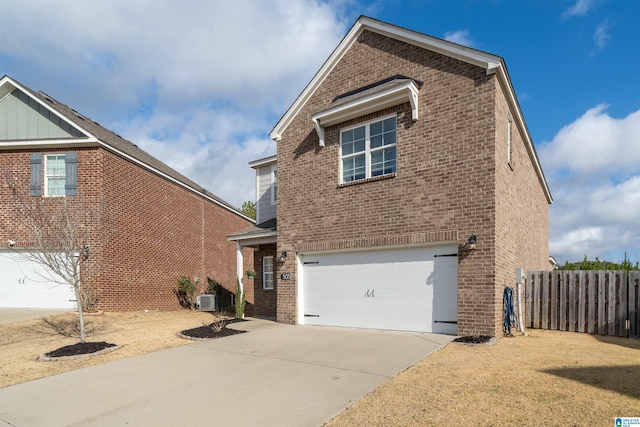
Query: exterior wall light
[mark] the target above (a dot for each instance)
(471, 243)
(282, 256)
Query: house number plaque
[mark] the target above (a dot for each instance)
(285, 276)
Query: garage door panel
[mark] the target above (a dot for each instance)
(400, 289)
(26, 284)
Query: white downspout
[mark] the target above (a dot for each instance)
(520, 277)
(239, 264)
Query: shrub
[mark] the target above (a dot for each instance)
(213, 286)
(186, 292)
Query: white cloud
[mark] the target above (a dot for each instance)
(198, 84)
(602, 35)
(460, 37)
(594, 165)
(579, 8)
(594, 144)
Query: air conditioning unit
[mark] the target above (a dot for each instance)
(206, 302)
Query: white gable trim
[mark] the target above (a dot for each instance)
(8, 82)
(491, 63)
(407, 91)
(93, 141)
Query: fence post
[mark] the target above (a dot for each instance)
(621, 316)
(602, 298)
(591, 286)
(633, 304)
(582, 300)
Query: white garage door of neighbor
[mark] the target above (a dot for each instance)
(23, 285)
(408, 289)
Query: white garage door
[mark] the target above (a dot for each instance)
(24, 284)
(409, 289)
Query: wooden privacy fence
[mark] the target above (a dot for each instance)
(595, 302)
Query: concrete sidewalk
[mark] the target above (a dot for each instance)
(12, 315)
(274, 375)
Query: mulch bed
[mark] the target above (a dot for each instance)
(209, 331)
(474, 339)
(75, 351)
(79, 348)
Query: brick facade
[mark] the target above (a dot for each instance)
(451, 180)
(148, 231)
(265, 299)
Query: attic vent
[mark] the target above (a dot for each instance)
(47, 97)
(78, 115)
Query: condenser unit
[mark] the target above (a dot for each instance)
(206, 302)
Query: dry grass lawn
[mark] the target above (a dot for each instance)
(548, 378)
(137, 332)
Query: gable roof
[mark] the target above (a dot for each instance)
(93, 134)
(491, 63)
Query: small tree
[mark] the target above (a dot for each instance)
(249, 209)
(58, 237)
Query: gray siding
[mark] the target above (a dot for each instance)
(265, 209)
(22, 118)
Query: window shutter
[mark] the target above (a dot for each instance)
(71, 174)
(35, 185)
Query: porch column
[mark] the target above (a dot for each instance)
(239, 264)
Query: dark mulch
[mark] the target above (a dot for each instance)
(474, 339)
(208, 331)
(79, 348)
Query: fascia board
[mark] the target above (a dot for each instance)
(362, 106)
(453, 50)
(175, 181)
(50, 143)
(257, 239)
(264, 161)
(504, 80)
(481, 59)
(317, 79)
(17, 85)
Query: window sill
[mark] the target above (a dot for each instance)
(363, 181)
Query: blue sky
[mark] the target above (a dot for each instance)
(199, 84)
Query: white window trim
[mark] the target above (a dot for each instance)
(274, 184)
(45, 184)
(376, 101)
(367, 148)
(265, 272)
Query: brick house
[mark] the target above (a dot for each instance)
(155, 224)
(409, 189)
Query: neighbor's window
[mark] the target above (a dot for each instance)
(55, 172)
(267, 272)
(368, 150)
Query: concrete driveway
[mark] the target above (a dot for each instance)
(11, 315)
(274, 375)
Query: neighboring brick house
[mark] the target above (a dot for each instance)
(155, 224)
(409, 189)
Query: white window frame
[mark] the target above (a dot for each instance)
(274, 184)
(267, 275)
(367, 149)
(46, 177)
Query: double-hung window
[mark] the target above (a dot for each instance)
(267, 272)
(55, 173)
(368, 150)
